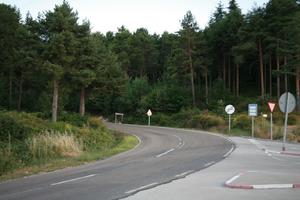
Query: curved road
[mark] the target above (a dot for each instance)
(163, 155)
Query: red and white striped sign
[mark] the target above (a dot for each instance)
(271, 106)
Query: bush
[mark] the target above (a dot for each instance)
(205, 121)
(19, 125)
(162, 120)
(95, 122)
(73, 118)
(98, 140)
(242, 121)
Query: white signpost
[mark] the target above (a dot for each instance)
(271, 106)
(229, 109)
(252, 112)
(149, 113)
(287, 104)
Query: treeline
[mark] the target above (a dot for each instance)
(54, 63)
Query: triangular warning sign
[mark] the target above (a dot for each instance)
(271, 106)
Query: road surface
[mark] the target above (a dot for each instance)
(163, 155)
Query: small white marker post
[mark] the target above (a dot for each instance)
(271, 106)
(149, 113)
(229, 109)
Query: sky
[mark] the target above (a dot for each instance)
(156, 16)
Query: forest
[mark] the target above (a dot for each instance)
(55, 64)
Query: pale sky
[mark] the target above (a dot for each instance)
(156, 16)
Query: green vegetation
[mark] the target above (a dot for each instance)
(55, 67)
(30, 144)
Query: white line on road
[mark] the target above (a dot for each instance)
(209, 164)
(74, 179)
(273, 186)
(141, 188)
(165, 153)
(184, 173)
(233, 179)
(229, 152)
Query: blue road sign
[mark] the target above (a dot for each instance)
(252, 110)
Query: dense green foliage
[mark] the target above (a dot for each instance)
(27, 139)
(54, 64)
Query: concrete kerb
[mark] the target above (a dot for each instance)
(263, 148)
(229, 184)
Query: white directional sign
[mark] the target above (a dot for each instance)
(149, 113)
(290, 105)
(252, 110)
(229, 109)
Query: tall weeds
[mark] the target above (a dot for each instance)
(53, 144)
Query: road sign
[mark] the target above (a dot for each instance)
(291, 102)
(149, 113)
(252, 110)
(229, 109)
(271, 106)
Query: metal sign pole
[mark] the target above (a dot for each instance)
(285, 121)
(148, 120)
(229, 123)
(252, 127)
(271, 126)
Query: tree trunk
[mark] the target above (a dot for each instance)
(224, 70)
(270, 76)
(229, 73)
(278, 77)
(237, 79)
(20, 92)
(285, 75)
(82, 102)
(10, 90)
(192, 71)
(298, 88)
(55, 100)
(206, 85)
(261, 66)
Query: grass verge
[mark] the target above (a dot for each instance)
(127, 143)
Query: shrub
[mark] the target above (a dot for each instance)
(242, 121)
(98, 139)
(205, 121)
(19, 125)
(73, 118)
(162, 120)
(95, 122)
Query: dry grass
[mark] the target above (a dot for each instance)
(54, 144)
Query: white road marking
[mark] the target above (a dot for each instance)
(209, 164)
(229, 152)
(233, 179)
(184, 173)
(165, 153)
(141, 188)
(273, 186)
(74, 179)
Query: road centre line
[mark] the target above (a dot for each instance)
(141, 188)
(74, 179)
(165, 153)
(184, 173)
(209, 164)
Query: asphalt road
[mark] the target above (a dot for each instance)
(162, 156)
